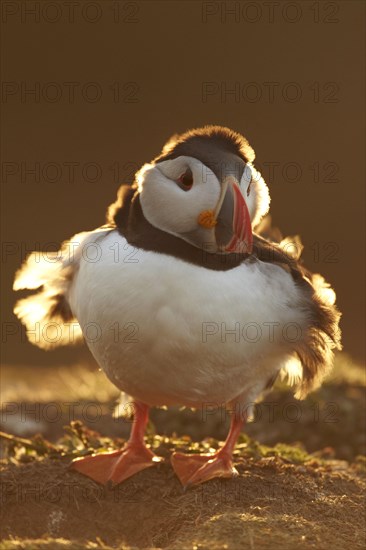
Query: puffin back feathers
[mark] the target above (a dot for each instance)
(47, 315)
(314, 349)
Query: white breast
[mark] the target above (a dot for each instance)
(169, 332)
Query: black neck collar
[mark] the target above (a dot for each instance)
(126, 214)
(132, 224)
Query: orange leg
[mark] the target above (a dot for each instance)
(116, 466)
(194, 469)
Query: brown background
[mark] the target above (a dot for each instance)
(168, 51)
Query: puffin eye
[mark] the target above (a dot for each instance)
(185, 181)
(249, 186)
(246, 180)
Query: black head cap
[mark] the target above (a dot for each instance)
(221, 149)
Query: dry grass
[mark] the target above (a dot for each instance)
(284, 497)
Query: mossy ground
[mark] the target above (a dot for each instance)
(300, 484)
(283, 498)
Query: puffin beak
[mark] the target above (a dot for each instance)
(233, 230)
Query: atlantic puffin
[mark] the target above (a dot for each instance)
(181, 301)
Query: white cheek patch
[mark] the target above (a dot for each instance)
(258, 199)
(168, 207)
(173, 169)
(261, 196)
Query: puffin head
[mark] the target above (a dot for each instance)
(204, 189)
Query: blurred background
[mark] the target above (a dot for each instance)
(92, 90)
